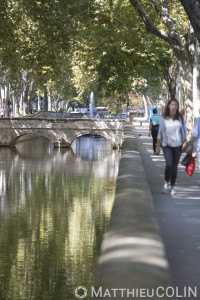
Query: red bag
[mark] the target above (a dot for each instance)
(191, 166)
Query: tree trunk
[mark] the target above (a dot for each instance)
(27, 94)
(171, 87)
(49, 100)
(45, 100)
(172, 75)
(16, 106)
(58, 101)
(183, 49)
(193, 11)
(1, 99)
(25, 101)
(179, 95)
(196, 81)
(187, 82)
(16, 101)
(30, 94)
(38, 103)
(7, 99)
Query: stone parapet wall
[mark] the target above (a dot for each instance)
(51, 114)
(132, 254)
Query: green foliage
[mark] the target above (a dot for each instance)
(117, 50)
(79, 46)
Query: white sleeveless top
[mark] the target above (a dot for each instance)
(173, 132)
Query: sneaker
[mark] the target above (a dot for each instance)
(172, 191)
(166, 188)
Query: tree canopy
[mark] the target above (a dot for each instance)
(76, 46)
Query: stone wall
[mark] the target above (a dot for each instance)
(132, 254)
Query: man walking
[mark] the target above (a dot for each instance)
(154, 127)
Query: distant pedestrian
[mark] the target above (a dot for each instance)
(2, 112)
(183, 112)
(154, 127)
(173, 133)
(97, 116)
(196, 139)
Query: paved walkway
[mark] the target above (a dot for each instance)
(178, 216)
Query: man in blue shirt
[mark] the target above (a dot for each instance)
(154, 127)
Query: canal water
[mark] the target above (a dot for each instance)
(55, 205)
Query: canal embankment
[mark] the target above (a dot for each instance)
(132, 260)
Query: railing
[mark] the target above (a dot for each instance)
(49, 114)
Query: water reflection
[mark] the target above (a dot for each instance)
(54, 208)
(91, 148)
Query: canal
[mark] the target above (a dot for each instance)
(55, 205)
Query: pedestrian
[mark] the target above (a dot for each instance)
(154, 127)
(97, 116)
(2, 112)
(196, 139)
(173, 134)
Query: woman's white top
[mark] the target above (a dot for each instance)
(173, 132)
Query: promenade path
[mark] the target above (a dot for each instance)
(178, 215)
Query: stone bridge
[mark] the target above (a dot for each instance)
(61, 132)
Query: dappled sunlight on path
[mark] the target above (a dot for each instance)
(178, 215)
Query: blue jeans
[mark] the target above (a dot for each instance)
(172, 156)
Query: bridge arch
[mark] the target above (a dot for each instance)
(93, 133)
(32, 133)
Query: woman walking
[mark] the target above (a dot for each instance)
(173, 133)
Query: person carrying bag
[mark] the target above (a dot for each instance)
(173, 134)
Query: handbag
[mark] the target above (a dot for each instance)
(186, 159)
(191, 166)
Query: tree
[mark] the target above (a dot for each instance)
(34, 41)
(192, 8)
(163, 23)
(113, 49)
(96, 45)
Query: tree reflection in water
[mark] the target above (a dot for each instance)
(54, 208)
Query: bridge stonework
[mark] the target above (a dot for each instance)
(61, 132)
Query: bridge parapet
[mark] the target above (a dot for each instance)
(76, 115)
(61, 132)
